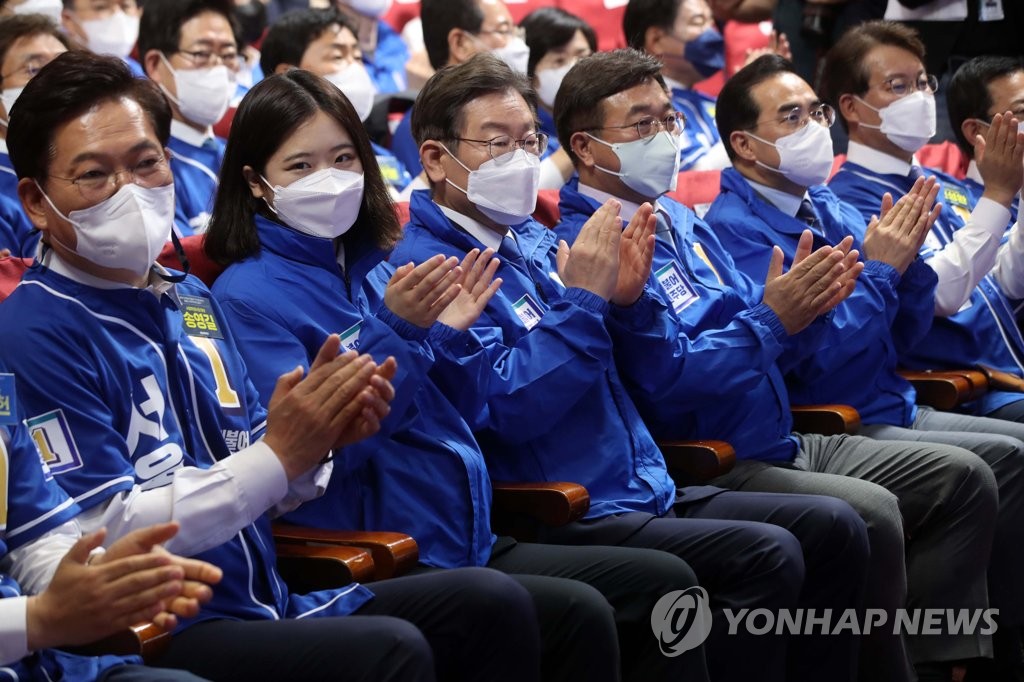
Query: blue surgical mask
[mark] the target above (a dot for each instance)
(706, 52)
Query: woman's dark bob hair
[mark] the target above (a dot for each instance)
(267, 115)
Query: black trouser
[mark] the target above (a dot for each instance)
(465, 624)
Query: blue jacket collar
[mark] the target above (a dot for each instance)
(424, 213)
(289, 244)
(825, 203)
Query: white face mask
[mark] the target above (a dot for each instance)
(504, 189)
(805, 157)
(369, 8)
(50, 8)
(649, 167)
(9, 96)
(323, 204)
(548, 82)
(909, 122)
(357, 86)
(204, 95)
(126, 231)
(115, 35)
(515, 53)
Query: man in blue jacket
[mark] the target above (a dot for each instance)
(722, 376)
(770, 197)
(549, 403)
(189, 50)
(27, 42)
(980, 89)
(139, 402)
(875, 77)
(683, 36)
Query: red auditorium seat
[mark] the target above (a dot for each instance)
(11, 270)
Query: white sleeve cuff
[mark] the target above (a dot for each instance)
(13, 629)
(990, 216)
(259, 475)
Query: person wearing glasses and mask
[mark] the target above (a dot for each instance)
(105, 27)
(548, 402)
(454, 31)
(188, 49)
(777, 130)
(27, 43)
(324, 42)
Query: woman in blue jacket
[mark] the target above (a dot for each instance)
(305, 223)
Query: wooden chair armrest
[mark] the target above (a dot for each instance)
(829, 420)
(945, 389)
(148, 640)
(697, 461)
(1001, 381)
(394, 554)
(307, 568)
(520, 509)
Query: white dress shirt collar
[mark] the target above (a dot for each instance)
(190, 135)
(878, 162)
(483, 234)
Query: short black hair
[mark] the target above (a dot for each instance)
(844, 72)
(289, 37)
(736, 108)
(640, 15)
(549, 28)
(160, 25)
(594, 79)
(70, 85)
(438, 111)
(18, 26)
(968, 95)
(439, 17)
(266, 117)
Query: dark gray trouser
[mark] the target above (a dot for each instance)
(942, 498)
(1001, 444)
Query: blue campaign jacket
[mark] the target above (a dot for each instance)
(982, 332)
(718, 375)
(31, 505)
(700, 132)
(547, 403)
(404, 146)
(16, 231)
(387, 65)
(423, 474)
(855, 363)
(123, 390)
(195, 172)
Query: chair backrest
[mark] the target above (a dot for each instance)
(199, 263)
(697, 189)
(11, 270)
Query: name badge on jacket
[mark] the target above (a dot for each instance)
(678, 289)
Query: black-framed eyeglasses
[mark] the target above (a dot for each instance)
(797, 117)
(205, 58)
(901, 85)
(650, 126)
(505, 32)
(497, 147)
(97, 185)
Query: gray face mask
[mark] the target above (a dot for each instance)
(649, 167)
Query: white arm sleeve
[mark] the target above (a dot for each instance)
(211, 505)
(962, 263)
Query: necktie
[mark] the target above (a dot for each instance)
(808, 215)
(663, 230)
(915, 173)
